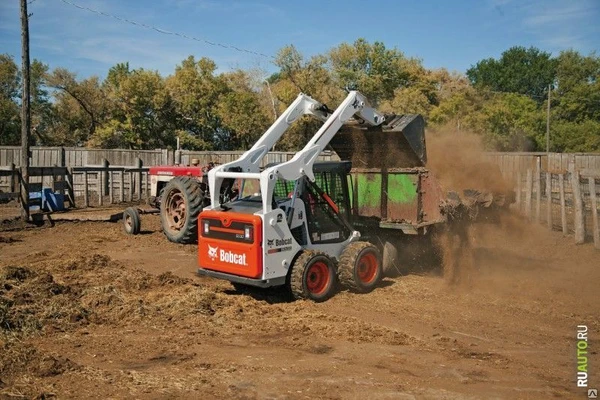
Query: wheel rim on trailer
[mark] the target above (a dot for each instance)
(175, 209)
(367, 267)
(128, 222)
(317, 278)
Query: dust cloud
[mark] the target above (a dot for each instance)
(458, 160)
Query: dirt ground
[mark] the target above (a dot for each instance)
(88, 312)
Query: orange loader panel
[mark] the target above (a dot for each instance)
(230, 243)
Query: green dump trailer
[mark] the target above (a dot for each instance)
(396, 202)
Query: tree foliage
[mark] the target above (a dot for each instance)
(504, 100)
(519, 70)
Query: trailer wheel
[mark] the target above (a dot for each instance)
(180, 205)
(360, 267)
(131, 221)
(312, 276)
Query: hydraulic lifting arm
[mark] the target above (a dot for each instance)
(249, 163)
(247, 166)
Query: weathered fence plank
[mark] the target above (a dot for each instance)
(563, 208)
(528, 194)
(594, 207)
(519, 189)
(549, 199)
(86, 198)
(578, 205)
(538, 189)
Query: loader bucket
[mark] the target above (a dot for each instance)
(398, 143)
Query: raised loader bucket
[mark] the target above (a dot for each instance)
(399, 143)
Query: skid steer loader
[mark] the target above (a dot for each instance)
(307, 225)
(289, 223)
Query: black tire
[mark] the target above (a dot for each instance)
(180, 205)
(360, 267)
(131, 221)
(312, 276)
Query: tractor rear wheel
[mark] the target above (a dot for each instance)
(180, 205)
(360, 267)
(312, 276)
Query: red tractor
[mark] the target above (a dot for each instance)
(178, 193)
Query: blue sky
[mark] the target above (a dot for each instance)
(452, 34)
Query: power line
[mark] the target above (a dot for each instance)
(166, 32)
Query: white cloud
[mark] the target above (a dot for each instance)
(558, 24)
(558, 13)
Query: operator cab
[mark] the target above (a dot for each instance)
(319, 211)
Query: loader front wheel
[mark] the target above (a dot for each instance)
(312, 276)
(180, 205)
(360, 267)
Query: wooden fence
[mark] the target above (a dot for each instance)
(98, 177)
(562, 200)
(512, 163)
(80, 157)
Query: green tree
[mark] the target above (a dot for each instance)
(519, 70)
(243, 118)
(570, 136)
(310, 77)
(79, 107)
(373, 69)
(509, 122)
(10, 122)
(195, 91)
(142, 112)
(578, 91)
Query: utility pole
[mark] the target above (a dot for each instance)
(272, 100)
(25, 113)
(548, 122)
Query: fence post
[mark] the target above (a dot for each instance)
(578, 205)
(549, 199)
(519, 189)
(563, 208)
(86, 198)
(13, 181)
(100, 187)
(538, 190)
(528, 189)
(70, 186)
(594, 205)
(139, 164)
(131, 186)
(112, 187)
(121, 187)
(146, 185)
(105, 165)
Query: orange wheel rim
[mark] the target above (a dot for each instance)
(317, 278)
(367, 268)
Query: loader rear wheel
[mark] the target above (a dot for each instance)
(181, 203)
(131, 221)
(312, 276)
(360, 267)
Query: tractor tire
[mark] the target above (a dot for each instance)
(312, 276)
(131, 221)
(360, 267)
(180, 205)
